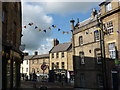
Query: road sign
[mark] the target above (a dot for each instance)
(43, 66)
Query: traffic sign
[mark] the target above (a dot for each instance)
(43, 66)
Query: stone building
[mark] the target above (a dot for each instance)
(61, 59)
(37, 61)
(11, 41)
(95, 49)
(110, 18)
(32, 64)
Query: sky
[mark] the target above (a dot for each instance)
(46, 14)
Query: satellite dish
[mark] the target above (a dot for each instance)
(22, 47)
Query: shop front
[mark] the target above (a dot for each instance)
(11, 60)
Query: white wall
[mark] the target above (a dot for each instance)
(24, 65)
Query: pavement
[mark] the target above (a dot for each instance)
(34, 84)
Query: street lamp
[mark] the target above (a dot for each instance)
(102, 47)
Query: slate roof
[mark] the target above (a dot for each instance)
(62, 47)
(36, 56)
(28, 57)
(41, 56)
(87, 21)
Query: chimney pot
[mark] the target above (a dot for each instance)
(55, 42)
(36, 53)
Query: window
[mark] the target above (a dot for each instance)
(96, 35)
(82, 57)
(100, 81)
(52, 55)
(57, 65)
(37, 69)
(37, 61)
(57, 55)
(108, 7)
(52, 65)
(32, 61)
(63, 65)
(98, 56)
(80, 40)
(26, 69)
(33, 70)
(82, 80)
(62, 54)
(112, 51)
(108, 28)
(27, 62)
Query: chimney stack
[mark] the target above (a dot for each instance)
(55, 42)
(26, 54)
(94, 12)
(36, 52)
(72, 24)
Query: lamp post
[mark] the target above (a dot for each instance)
(103, 58)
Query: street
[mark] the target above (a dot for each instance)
(33, 84)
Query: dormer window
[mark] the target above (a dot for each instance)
(108, 7)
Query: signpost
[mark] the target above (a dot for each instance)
(43, 67)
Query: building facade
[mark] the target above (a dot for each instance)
(94, 49)
(24, 69)
(11, 41)
(32, 65)
(36, 62)
(110, 17)
(61, 59)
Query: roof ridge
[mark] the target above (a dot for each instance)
(65, 43)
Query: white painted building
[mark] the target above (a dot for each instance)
(25, 67)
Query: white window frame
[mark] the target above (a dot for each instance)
(97, 36)
(108, 7)
(112, 51)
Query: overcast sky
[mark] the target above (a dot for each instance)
(45, 14)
